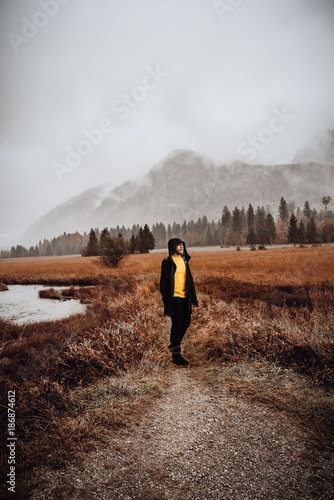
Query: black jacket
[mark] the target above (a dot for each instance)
(168, 268)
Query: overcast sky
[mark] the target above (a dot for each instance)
(96, 91)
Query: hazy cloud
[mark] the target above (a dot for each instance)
(225, 78)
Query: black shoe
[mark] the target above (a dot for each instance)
(179, 360)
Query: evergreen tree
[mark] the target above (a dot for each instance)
(293, 232)
(251, 237)
(263, 236)
(145, 239)
(270, 227)
(159, 233)
(184, 230)
(163, 234)
(260, 226)
(301, 232)
(123, 231)
(226, 217)
(291, 208)
(104, 236)
(236, 224)
(283, 211)
(92, 245)
(48, 250)
(226, 224)
(176, 229)
(133, 244)
(315, 215)
(250, 217)
(243, 219)
(209, 237)
(307, 210)
(135, 229)
(199, 226)
(311, 231)
(139, 240)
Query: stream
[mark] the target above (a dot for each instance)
(22, 304)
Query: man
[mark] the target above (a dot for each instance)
(178, 295)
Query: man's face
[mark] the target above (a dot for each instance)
(179, 249)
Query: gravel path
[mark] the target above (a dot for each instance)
(197, 442)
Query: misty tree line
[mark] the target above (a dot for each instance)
(108, 244)
(245, 227)
(66, 244)
(258, 227)
(140, 240)
(238, 226)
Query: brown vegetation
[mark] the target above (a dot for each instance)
(276, 266)
(50, 293)
(260, 313)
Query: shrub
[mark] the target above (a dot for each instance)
(113, 251)
(50, 293)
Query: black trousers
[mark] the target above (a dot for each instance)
(180, 323)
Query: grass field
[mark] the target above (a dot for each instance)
(264, 327)
(277, 266)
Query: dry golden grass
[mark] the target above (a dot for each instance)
(260, 313)
(71, 270)
(50, 270)
(274, 266)
(79, 377)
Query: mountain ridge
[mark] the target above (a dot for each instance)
(183, 186)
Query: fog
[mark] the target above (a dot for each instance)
(96, 92)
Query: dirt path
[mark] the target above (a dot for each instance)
(197, 442)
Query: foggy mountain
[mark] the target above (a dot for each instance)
(184, 186)
(320, 150)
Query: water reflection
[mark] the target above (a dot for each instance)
(22, 304)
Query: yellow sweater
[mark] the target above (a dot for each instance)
(179, 277)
